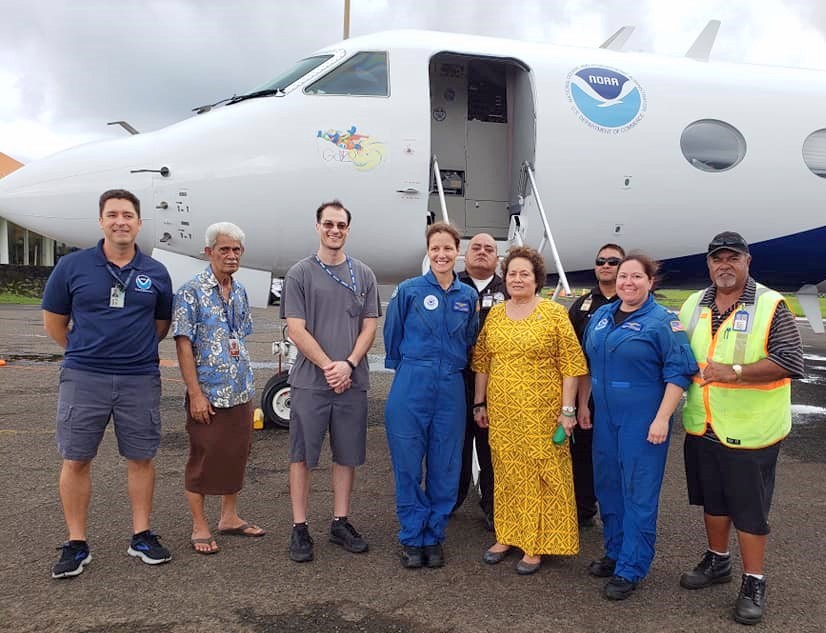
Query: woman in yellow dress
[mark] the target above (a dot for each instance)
(527, 360)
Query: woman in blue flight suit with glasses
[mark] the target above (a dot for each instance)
(431, 323)
(640, 363)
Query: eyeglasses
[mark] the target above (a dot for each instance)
(327, 225)
(611, 261)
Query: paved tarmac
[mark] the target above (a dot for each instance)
(252, 586)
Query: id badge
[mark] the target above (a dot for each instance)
(741, 321)
(234, 347)
(586, 305)
(487, 301)
(117, 297)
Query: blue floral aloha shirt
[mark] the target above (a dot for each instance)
(200, 313)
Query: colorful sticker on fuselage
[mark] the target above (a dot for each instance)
(605, 99)
(363, 151)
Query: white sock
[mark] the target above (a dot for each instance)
(758, 576)
(720, 554)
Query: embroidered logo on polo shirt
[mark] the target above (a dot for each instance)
(143, 283)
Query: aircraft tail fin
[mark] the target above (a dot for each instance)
(701, 48)
(808, 299)
(617, 41)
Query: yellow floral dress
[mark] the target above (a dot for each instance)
(526, 359)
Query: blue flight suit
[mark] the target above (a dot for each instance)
(427, 333)
(630, 364)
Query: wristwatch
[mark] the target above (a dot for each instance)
(568, 411)
(738, 371)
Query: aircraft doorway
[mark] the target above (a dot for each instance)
(482, 128)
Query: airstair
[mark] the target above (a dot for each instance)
(516, 228)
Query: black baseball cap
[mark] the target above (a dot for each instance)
(728, 240)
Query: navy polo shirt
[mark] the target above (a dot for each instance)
(103, 339)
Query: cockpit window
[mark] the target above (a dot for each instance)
(291, 75)
(362, 74)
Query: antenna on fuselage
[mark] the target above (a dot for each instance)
(618, 39)
(346, 19)
(701, 48)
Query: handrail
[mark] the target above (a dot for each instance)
(441, 190)
(548, 236)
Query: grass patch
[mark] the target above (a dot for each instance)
(673, 299)
(7, 297)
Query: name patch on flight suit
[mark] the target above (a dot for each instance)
(461, 306)
(431, 302)
(633, 326)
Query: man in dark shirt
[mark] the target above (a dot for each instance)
(606, 266)
(480, 273)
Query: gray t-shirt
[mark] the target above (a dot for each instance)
(333, 315)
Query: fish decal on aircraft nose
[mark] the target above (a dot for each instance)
(363, 151)
(605, 99)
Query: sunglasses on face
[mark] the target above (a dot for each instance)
(329, 225)
(611, 261)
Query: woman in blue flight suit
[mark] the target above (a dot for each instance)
(431, 323)
(640, 363)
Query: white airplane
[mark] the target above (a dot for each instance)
(656, 153)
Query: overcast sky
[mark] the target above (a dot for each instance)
(68, 67)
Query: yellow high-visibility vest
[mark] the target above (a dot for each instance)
(743, 415)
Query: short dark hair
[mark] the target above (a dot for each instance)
(615, 247)
(442, 227)
(650, 265)
(336, 204)
(118, 194)
(533, 256)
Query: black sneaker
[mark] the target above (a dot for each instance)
(74, 556)
(602, 568)
(618, 588)
(713, 569)
(412, 556)
(433, 556)
(343, 533)
(301, 544)
(751, 601)
(146, 546)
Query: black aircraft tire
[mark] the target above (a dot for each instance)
(275, 401)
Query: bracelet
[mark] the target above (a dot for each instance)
(569, 412)
(568, 415)
(349, 362)
(479, 405)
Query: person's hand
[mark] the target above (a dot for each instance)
(583, 418)
(658, 431)
(717, 372)
(200, 409)
(480, 416)
(337, 373)
(567, 422)
(343, 386)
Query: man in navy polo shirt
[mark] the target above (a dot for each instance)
(119, 302)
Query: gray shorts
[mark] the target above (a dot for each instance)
(85, 402)
(313, 411)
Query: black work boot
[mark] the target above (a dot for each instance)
(751, 601)
(602, 568)
(712, 570)
(412, 556)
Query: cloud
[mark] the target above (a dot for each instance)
(68, 67)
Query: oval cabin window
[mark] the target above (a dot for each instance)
(814, 153)
(711, 145)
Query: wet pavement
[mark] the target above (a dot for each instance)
(252, 586)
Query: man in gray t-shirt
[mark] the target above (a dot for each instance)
(331, 304)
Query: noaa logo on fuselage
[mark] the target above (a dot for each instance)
(605, 99)
(143, 283)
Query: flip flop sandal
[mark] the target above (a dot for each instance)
(204, 541)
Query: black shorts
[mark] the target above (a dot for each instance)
(733, 482)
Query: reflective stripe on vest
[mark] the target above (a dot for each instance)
(743, 415)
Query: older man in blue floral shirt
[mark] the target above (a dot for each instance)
(210, 321)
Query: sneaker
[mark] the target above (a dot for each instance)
(434, 556)
(343, 533)
(713, 569)
(602, 568)
(751, 601)
(301, 544)
(74, 556)
(146, 546)
(618, 588)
